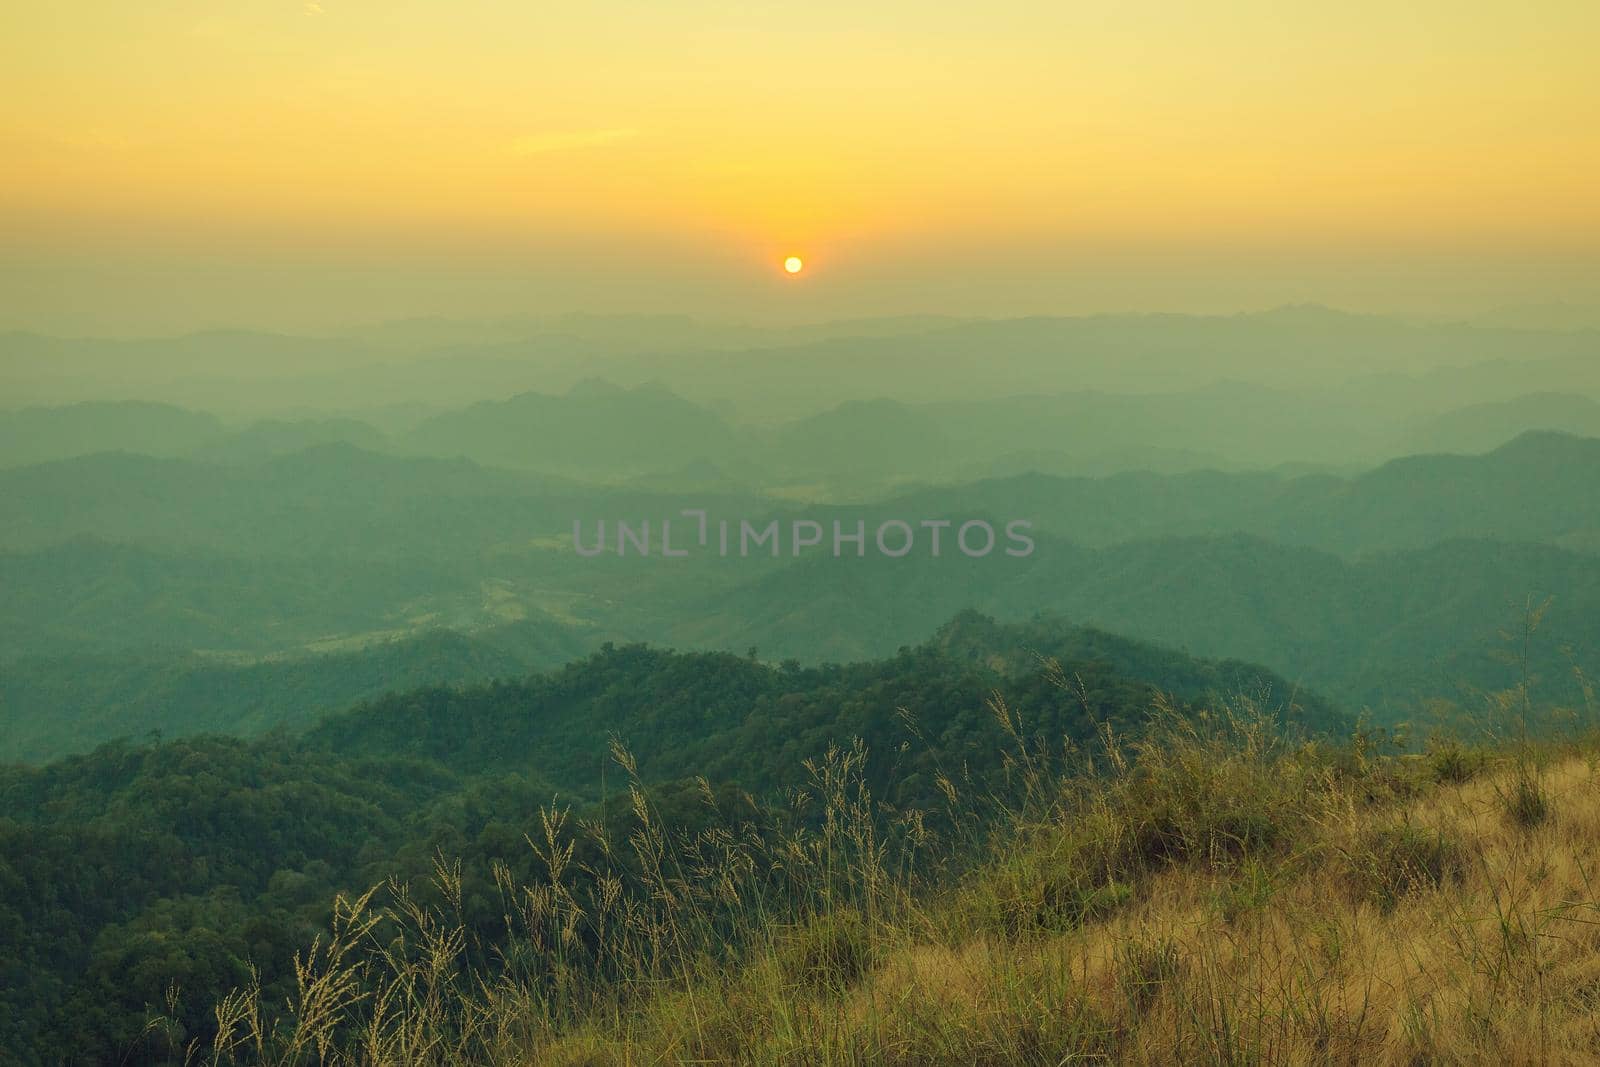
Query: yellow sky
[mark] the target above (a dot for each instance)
(691, 136)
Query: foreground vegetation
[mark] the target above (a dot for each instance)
(188, 862)
(1207, 892)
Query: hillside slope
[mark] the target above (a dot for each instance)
(1211, 894)
(1399, 915)
(138, 866)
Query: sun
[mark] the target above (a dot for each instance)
(793, 265)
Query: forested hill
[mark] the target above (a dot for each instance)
(137, 866)
(732, 717)
(51, 706)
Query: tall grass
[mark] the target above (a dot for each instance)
(1208, 892)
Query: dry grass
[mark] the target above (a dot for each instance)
(1210, 895)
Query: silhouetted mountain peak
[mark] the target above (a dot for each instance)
(1560, 445)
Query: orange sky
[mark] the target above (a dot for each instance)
(295, 164)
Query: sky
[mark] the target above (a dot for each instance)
(307, 164)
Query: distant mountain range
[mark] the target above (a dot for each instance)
(1388, 590)
(1481, 427)
(649, 435)
(1353, 363)
(1359, 504)
(333, 499)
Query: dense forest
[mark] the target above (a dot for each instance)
(145, 868)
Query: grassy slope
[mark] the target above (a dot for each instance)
(1426, 928)
(1212, 896)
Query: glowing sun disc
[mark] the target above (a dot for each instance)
(793, 264)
